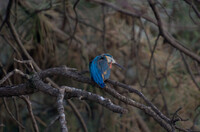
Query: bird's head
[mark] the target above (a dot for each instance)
(111, 61)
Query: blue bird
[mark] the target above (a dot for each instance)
(100, 68)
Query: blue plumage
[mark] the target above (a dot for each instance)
(100, 69)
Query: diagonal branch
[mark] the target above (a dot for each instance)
(11, 115)
(97, 98)
(76, 76)
(144, 108)
(11, 73)
(77, 113)
(134, 12)
(189, 71)
(173, 42)
(51, 123)
(7, 14)
(29, 107)
(31, 61)
(139, 14)
(189, 2)
(36, 82)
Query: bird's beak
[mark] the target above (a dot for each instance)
(115, 63)
(119, 65)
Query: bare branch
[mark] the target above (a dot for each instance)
(193, 7)
(20, 44)
(29, 107)
(30, 62)
(61, 110)
(51, 123)
(37, 83)
(76, 21)
(146, 109)
(76, 111)
(134, 12)
(7, 14)
(169, 38)
(190, 71)
(11, 115)
(94, 97)
(11, 73)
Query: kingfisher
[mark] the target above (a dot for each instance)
(100, 68)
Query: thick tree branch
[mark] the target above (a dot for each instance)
(91, 96)
(37, 83)
(16, 90)
(144, 108)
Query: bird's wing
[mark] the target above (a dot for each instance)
(96, 72)
(104, 68)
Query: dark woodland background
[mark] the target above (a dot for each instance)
(72, 33)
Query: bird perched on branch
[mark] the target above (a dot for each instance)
(100, 68)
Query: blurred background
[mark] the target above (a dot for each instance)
(72, 33)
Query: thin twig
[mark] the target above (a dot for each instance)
(37, 83)
(25, 61)
(17, 111)
(12, 73)
(20, 44)
(190, 71)
(76, 22)
(193, 7)
(151, 58)
(10, 113)
(130, 89)
(146, 109)
(31, 61)
(104, 28)
(85, 23)
(134, 12)
(172, 41)
(13, 98)
(29, 107)
(51, 123)
(7, 14)
(77, 113)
